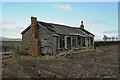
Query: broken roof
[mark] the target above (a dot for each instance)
(61, 29)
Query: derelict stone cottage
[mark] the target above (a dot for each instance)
(48, 38)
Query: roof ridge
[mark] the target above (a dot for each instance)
(59, 24)
(53, 27)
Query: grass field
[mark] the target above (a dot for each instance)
(11, 45)
(99, 63)
(17, 45)
(105, 43)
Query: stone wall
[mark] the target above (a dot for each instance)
(34, 47)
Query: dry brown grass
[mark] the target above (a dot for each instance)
(99, 63)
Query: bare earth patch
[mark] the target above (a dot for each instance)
(99, 63)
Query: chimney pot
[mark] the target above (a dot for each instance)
(34, 27)
(33, 19)
(82, 26)
(81, 21)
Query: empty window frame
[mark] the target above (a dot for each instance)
(74, 41)
(91, 41)
(79, 41)
(83, 40)
(62, 42)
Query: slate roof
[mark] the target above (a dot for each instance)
(87, 31)
(61, 29)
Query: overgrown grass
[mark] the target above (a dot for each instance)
(16, 67)
(22, 66)
(23, 62)
(12, 70)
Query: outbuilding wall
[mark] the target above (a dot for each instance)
(25, 41)
(45, 38)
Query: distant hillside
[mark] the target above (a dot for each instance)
(3, 37)
(98, 39)
(9, 39)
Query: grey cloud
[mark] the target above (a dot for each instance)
(6, 22)
(19, 27)
(63, 7)
(6, 29)
(97, 22)
(112, 31)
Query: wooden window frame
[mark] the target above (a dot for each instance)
(62, 42)
(74, 41)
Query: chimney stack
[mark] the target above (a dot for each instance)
(34, 46)
(34, 27)
(82, 26)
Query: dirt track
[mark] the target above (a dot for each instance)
(101, 63)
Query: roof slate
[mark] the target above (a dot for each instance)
(62, 29)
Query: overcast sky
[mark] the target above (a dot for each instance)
(99, 17)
